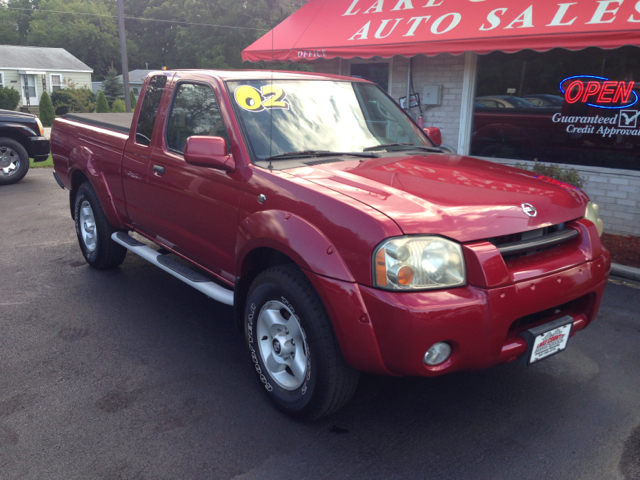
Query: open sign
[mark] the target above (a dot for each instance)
(599, 92)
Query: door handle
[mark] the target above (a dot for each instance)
(158, 169)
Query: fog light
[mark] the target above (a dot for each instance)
(437, 354)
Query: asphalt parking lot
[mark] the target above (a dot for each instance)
(130, 374)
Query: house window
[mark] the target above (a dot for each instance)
(1, 79)
(56, 82)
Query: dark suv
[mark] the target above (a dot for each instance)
(21, 137)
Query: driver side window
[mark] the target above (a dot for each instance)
(194, 112)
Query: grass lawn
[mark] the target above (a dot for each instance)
(47, 163)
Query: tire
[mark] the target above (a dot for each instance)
(14, 161)
(293, 348)
(94, 231)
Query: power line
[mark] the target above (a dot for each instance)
(138, 18)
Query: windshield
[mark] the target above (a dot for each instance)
(286, 116)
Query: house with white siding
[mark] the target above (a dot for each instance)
(32, 70)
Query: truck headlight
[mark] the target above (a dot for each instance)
(40, 126)
(593, 213)
(418, 263)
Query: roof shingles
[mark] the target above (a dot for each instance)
(39, 58)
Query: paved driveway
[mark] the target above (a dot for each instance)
(130, 374)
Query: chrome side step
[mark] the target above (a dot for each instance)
(181, 272)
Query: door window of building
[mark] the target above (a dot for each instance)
(578, 108)
(29, 91)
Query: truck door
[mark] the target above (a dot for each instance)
(137, 154)
(194, 209)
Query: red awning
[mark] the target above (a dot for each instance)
(368, 28)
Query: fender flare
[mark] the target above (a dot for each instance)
(293, 236)
(83, 160)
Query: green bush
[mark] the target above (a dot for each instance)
(133, 100)
(9, 98)
(566, 175)
(101, 105)
(75, 100)
(119, 106)
(47, 114)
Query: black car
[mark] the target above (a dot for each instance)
(21, 137)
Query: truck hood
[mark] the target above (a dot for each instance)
(11, 116)
(458, 197)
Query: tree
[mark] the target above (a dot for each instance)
(9, 98)
(101, 105)
(88, 30)
(10, 31)
(133, 100)
(91, 38)
(47, 114)
(219, 47)
(118, 106)
(112, 87)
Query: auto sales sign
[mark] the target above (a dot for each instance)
(367, 28)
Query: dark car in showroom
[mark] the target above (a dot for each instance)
(21, 137)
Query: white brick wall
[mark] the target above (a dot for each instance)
(331, 67)
(618, 195)
(444, 70)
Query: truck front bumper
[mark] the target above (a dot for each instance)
(390, 332)
(38, 148)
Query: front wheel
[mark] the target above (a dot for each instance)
(94, 231)
(14, 161)
(293, 347)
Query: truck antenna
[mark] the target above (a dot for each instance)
(271, 110)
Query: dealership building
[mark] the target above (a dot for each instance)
(512, 81)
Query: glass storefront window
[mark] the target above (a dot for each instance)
(377, 73)
(577, 108)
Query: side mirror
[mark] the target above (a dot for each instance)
(434, 134)
(209, 152)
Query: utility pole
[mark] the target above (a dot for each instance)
(123, 55)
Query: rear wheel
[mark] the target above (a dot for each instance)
(94, 231)
(14, 161)
(293, 347)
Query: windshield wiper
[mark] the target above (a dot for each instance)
(368, 149)
(410, 146)
(318, 153)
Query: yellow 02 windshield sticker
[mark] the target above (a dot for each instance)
(268, 97)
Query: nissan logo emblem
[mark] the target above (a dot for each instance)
(529, 209)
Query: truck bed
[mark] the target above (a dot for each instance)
(120, 122)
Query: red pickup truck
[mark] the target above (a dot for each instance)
(345, 240)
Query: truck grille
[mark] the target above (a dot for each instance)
(580, 306)
(533, 241)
